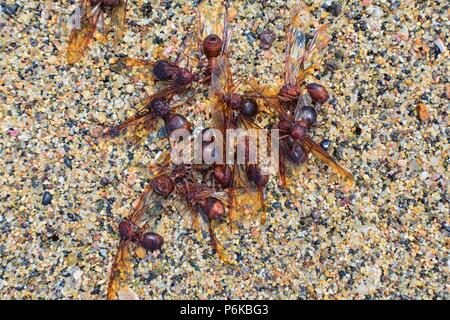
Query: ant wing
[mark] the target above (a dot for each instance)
(272, 103)
(120, 270)
(292, 156)
(247, 204)
(220, 77)
(127, 63)
(85, 24)
(296, 42)
(311, 146)
(118, 15)
(313, 54)
(141, 206)
(142, 122)
(144, 68)
(222, 252)
(303, 101)
(188, 52)
(211, 19)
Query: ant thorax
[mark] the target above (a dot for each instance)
(192, 194)
(284, 125)
(298, 130)
(128, 230)
(234, 101)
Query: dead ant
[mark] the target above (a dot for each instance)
(294, 129)
(179, 181)
(300, 53)
(180, 78)
(90, 16)
(146, 117)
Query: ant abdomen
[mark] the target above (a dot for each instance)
(213, 208)
(249, 108)
(309, 115)
(176, 122)
(317, 92)
(151, 241)
(212, 46)
(163, 185)
(295, 152)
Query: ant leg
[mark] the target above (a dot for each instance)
(282, 171)
(263, 205)
(217, 245)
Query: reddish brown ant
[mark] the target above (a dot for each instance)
(299, 55)
(180, 78)
(131, 232)
(201, 199)
(234, 110)
(179, 181)
(146, 118)
(91, 17)
(298, 144)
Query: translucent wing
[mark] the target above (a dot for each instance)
(313, 54)
(220, 77)
(85, 25)
(222, 252)
(143, 68)
(296, 41)
(303, 101)
(128, 63)
(189, 52)
(272, 103)
(310, 146)
(212, 18)
(118, 19)
(141, 206)
(143, 120)
(302, 56)
(120, 270)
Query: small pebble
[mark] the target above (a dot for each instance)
(47, 198)
(422, 112)
(104, 181)
(325, 144)
(266, 38)
(335, 8)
